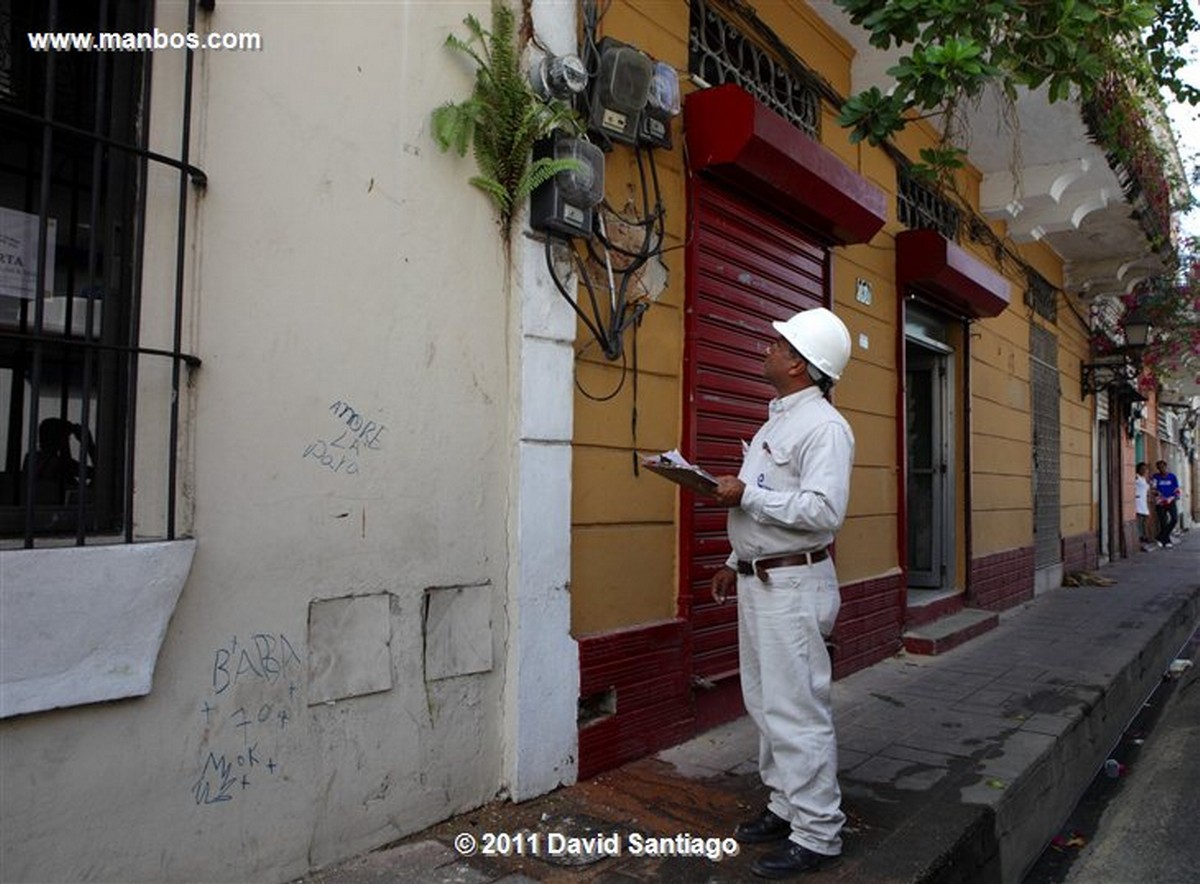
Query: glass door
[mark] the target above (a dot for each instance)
(928, 466)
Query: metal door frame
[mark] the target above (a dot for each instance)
(941, 360)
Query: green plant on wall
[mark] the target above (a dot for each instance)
(503, 118)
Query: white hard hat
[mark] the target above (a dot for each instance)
(820, 337)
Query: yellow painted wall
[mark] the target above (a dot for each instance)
(624, 527)
(624, 539)
(625, 548)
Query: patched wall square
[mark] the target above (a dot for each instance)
(348, 647)
(458, 631)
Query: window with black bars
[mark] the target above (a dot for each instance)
(721, 49)
(921, 207)
(1041, 296)
(85, 404)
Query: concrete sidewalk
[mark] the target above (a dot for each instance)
(956, 768)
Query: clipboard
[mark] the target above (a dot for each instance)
(674, 467)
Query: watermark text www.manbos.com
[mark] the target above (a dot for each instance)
(141, 41)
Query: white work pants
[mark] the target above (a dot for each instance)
(786, 676)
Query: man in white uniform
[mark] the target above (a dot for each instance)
(786, 505)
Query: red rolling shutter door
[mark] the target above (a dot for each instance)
(747, 267)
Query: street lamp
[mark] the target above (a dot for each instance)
(1137, 330)
(1121, 366)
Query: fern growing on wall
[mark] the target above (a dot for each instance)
(503, 117)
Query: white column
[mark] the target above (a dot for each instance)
(542, 671)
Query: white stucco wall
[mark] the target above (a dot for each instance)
(348, 298)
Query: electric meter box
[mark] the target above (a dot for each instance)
(662, 104)
(564, 204)
(619, 91)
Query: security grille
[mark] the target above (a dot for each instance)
(748, 267)
(1166, 426)
(920, 207)
(1043, 363)
(1041, 296)
(721, 51)
(75, 164)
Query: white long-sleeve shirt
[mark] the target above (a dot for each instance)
(797, 477)
(1141, 494)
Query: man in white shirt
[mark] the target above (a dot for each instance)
(1141, 504)
(786, 504)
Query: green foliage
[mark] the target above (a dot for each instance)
(1171, 304)
(956, 48)
(503, 117)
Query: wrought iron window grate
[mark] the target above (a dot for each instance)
(85, 405)
(1041, 296)
(920, 207)
(1046, 394)
(719, 52)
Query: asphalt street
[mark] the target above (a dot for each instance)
(1150, 832)
(1140, 821)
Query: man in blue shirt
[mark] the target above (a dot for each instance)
(1166, 488)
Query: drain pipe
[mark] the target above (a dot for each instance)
(968, 475)
(901, 459)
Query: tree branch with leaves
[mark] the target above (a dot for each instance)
(958, 48)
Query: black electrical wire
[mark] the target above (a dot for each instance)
(604, 336)
(616, 390)
(599, 336)
(633, 413)
(659, 212)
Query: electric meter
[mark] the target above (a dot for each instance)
(619, 91)
(564, 204)
(662, 104)
(559, 76)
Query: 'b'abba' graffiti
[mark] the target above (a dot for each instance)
(253, 701)
(268, 657)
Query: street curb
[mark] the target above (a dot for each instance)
(1032, 808)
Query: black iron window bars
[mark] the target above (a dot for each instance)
(920, 207)
(75, 171)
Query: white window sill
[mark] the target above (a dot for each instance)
(84, 624)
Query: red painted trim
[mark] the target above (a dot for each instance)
(645, 668)
(867, 629)
(949, 275)
(739, 139)
(687, 441)
(919, 615)
(1081, 552)
(968, 463)
(1002, 580)
(916, 644)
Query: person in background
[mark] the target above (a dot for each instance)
(55, 468)
(1141, 504)
(785, 506)
(1166, 489)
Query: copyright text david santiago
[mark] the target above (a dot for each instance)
(555, 844)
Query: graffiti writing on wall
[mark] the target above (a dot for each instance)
(342, 450)
(245, 714)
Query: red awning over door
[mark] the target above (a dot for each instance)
(738, 139)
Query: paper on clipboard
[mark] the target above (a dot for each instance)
(674, 466)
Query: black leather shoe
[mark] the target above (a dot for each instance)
(791, 860)
(763, 828)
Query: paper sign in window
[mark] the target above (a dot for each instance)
(19, 251)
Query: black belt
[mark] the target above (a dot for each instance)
(760, 567)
